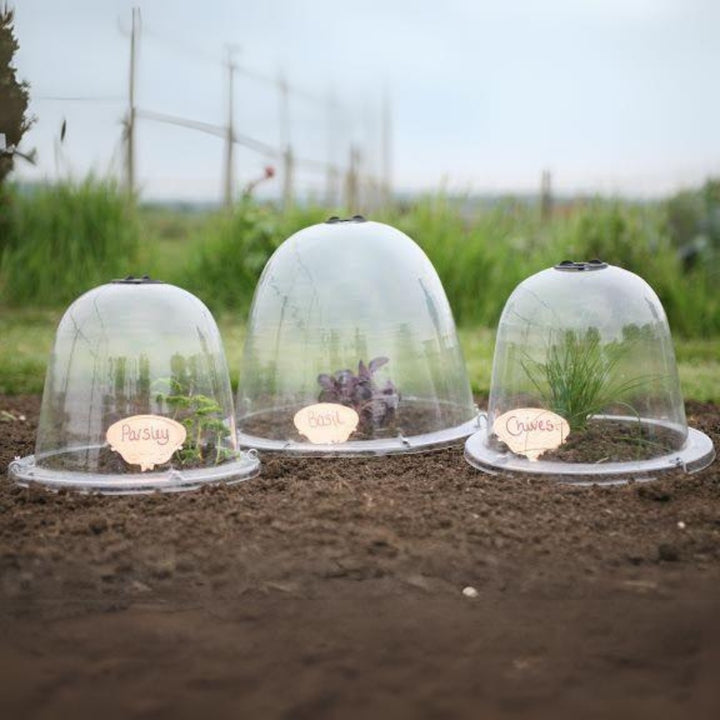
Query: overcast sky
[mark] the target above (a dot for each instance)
(615, 96)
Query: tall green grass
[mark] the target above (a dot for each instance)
(224, 261)
(479, 260)
(63, 239)
(482, 259)
(639, 238)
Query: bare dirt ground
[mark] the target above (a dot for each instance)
(334, 589)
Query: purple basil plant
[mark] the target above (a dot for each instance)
(375, 405)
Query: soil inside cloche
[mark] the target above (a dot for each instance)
(410, 419)
(405, 587)
(613, 441)
(106, 461)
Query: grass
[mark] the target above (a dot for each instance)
(576, 378)
(61, 240)
(28, 336)
(64, 239)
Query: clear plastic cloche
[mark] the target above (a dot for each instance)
(584, 383)
(351, 348)
(137, 396)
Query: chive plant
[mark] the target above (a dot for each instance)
(578, 377)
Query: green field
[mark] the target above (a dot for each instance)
(28, 336)
(60, 241)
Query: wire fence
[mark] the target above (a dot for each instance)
(275, 136)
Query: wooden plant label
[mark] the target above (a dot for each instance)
(146, 440)
(326, 423)
(531, 431)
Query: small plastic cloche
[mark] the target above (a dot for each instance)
(351, 348)
(137, 396)
(584, 382)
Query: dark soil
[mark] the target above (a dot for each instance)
(333, 588)
(613, 441)
(106, 461)
(411, 418)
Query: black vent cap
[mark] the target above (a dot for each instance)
(583, 266)
(335, 219)
(132, 280)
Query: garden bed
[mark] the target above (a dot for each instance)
(332, 587)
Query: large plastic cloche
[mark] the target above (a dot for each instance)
(351, 348)
(137, 396)
(584, 382)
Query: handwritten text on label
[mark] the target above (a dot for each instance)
(531, 431)
(146, 440)
(326, 422)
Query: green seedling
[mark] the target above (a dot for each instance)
(577, 378)
(201, 417)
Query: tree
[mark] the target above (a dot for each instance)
(14, 95)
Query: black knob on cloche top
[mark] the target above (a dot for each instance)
(571, 266)
(335, 219)
(132, 280)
